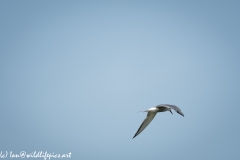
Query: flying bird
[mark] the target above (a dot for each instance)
(153, 111)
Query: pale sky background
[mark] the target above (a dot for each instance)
(74, 74)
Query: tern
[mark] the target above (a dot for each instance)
(153, 111)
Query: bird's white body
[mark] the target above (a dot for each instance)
(155, 109)
(152, 110)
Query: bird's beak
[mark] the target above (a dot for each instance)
(170, 111)
(143, 111)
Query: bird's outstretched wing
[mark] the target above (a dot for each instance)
(178, 110)
(145, 123)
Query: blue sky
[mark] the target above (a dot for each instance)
(74, 74)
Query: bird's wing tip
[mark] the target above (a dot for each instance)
(135, 136)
